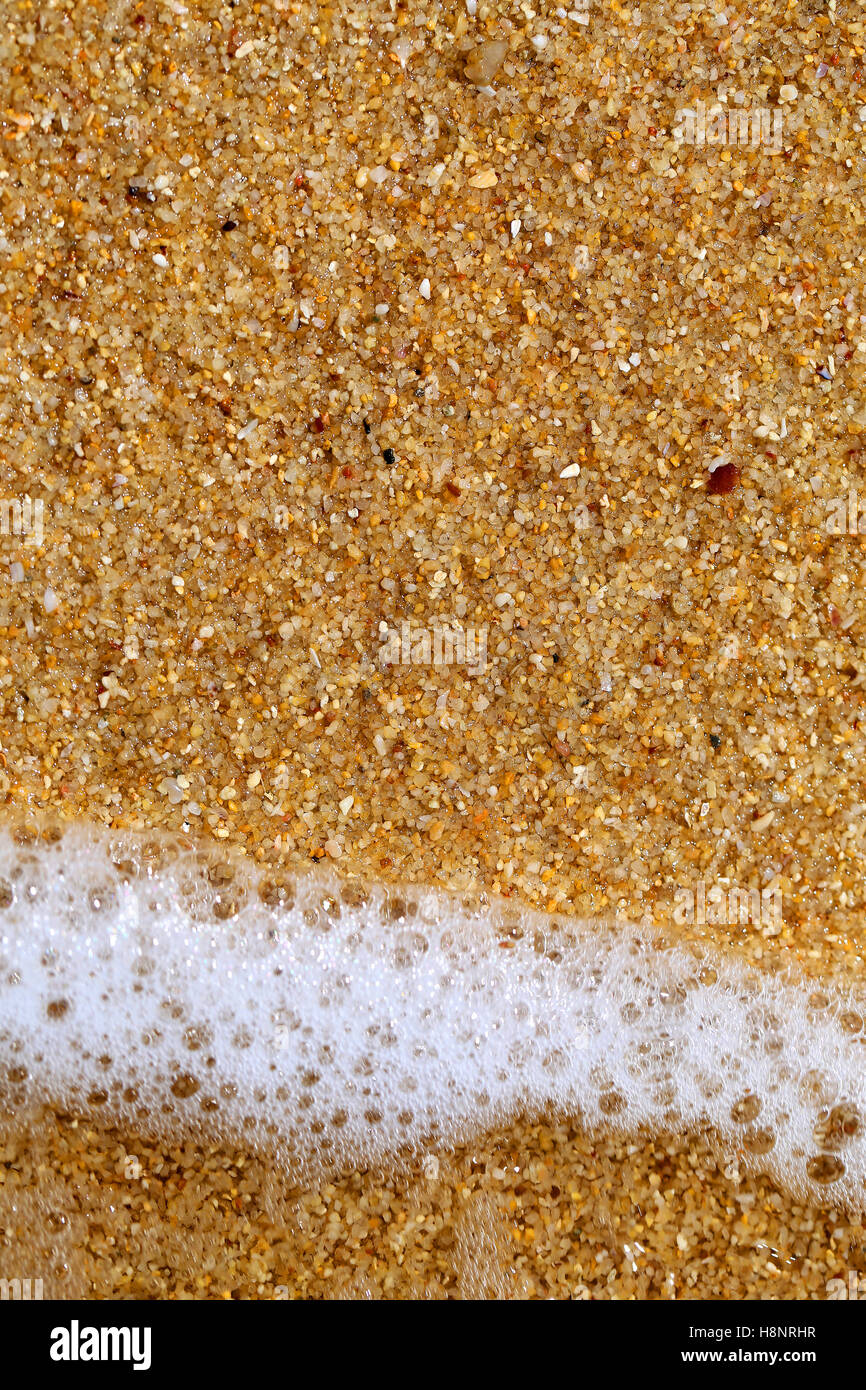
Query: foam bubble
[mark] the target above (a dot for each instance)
(338, 1023)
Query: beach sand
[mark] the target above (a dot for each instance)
(538, 1211)
(328, 331)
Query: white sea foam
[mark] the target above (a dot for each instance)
(336, 1023)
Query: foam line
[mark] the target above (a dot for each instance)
(338, 1024)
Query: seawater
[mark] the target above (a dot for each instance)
(334, 1022)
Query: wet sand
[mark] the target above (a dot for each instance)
(538, 1211)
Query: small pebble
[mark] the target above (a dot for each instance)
(723, 479)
